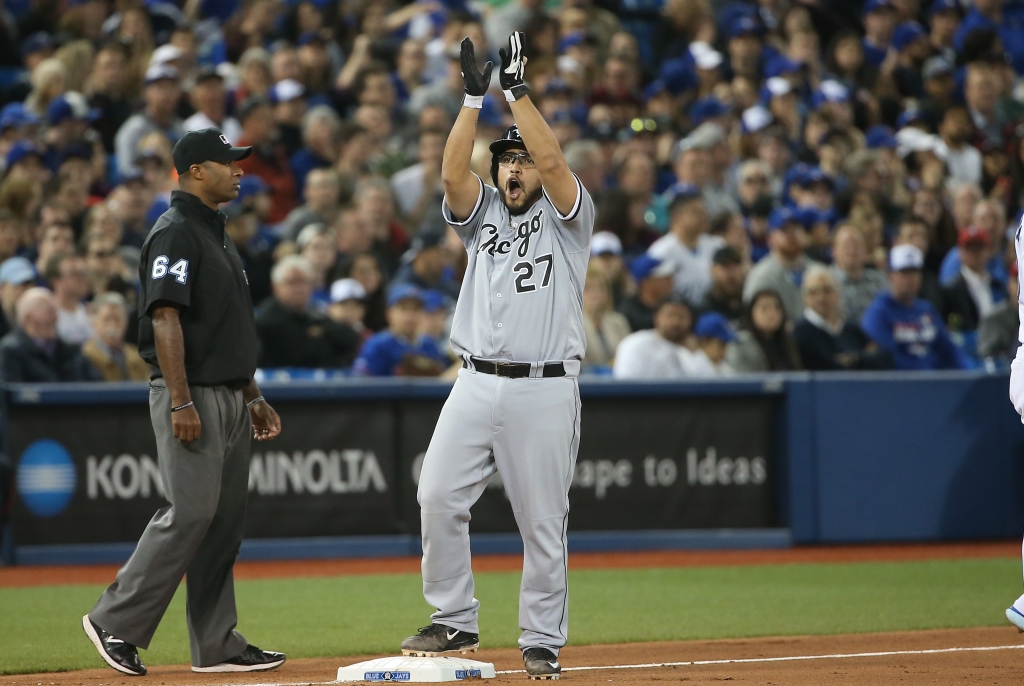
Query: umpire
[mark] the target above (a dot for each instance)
(197, 332)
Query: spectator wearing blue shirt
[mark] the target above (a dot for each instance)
(399, 350)
(908, 326)
(879, 17)
(320, 135)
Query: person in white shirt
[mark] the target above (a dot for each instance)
(657, 353)
(210, 100)
(418, 187)
(69, 279)
(688, 245)
(713, 336)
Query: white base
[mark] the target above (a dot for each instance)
(416, 669)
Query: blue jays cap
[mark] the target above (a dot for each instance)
(780, 65)
(206, 145)
(71, 105)
(678, 75)
(880, 136)
(745, 26)
(15, 114)
(286, 90)
(645, 266)
(811, 176)
(681, 194)
(714, 325)
(944, 6)
(654, 89)
(20, 151)
(37, 42)
(707, 108)
(434, 300)
(830, 90)
(875, 5)
(906, 33)
(404, 291)
(250, 185)
(909, 116)
(16, 271)
(782, 216)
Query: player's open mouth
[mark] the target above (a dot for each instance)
(514, 189)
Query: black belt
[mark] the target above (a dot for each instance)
(514, 370)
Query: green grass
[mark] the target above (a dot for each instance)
(40, 630)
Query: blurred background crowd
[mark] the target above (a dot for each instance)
(780, 184)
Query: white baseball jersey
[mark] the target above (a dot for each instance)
(522, 296)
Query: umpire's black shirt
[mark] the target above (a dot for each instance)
(189, 262)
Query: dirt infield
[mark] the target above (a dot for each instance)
(1004, 665)
(103, 574)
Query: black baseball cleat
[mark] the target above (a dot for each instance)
(541, 663)
(123, 657)
(252, 659)
(433, 640)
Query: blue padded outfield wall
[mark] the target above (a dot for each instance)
(754, 461)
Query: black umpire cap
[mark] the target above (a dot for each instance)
(206, 145)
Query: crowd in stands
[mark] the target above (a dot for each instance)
(780, 184)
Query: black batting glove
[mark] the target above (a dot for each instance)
(513, 66)
(476, 82)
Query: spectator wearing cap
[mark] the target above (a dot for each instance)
(25, 161)
(999, 331)
(879, 18)
(744, 47)
(320, 137)
(161, 94)
(914, 231)
(657, 353)
(210, 99)
(33, 353)
(832, 99)
(433, 324)
(16, 276)
(426, 264)
(398, 351)
(603, 327)
(937, 82)
(859, 284)
(105, 89)
(69, 280)
(943, 21)
(294, 334)
(418, 188)
(783, 103)
(245, 229)
(971, 296)
(726, 293)
(348, 306)
(269, 159)
(688, 246)
(288, 97)
(782, 269)
(606, 257)
(812, 188)
(106, 349)
(988, 215)
(69, 116)
(827, 341)
(764, 342)
(963, 160)
(714, 334)
(909, 327)
(654, 280)
(910, 41)
(16, 124)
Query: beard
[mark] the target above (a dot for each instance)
(516, 198)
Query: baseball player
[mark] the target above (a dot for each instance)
(515, 407)
(1015, 613)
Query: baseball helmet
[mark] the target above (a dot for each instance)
(510, 139)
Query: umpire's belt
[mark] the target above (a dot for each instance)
(516, 370)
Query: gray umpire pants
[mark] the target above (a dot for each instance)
(198, 534)
(528, 430)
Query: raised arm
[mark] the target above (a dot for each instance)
(540, 140)
(461, 186)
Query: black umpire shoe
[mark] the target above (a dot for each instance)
(436, 639)
(123, 657)
(252, 659)
(541, 663)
